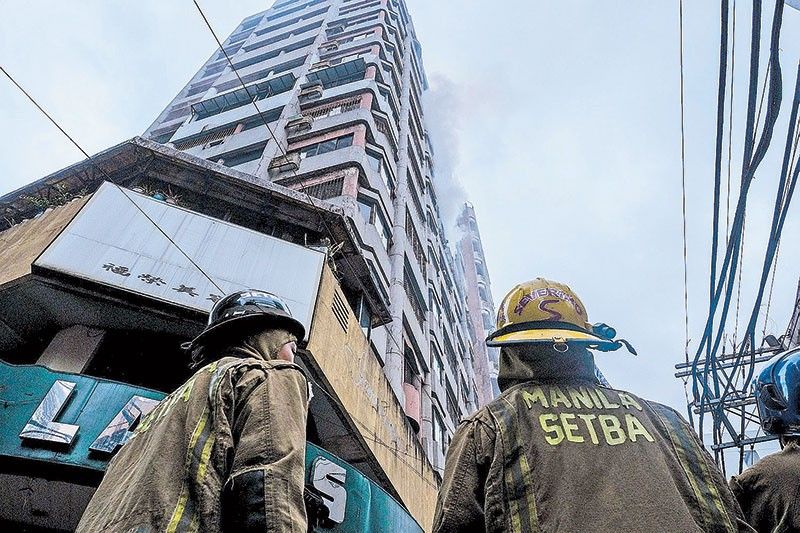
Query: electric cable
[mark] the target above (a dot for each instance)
(721, 98)
(793, 165)
(730, 127)
(787, 183)
(683, 207)
(107, 177)
(754, 153)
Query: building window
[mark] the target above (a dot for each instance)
(437, 364)
(372, 215)
(378, 164)
(340, 74)
(336, 108)
(452, 405)
(326, 146)
(244, 96)
(250, 24)
(439, 434)
(410, 373)
(241, 157)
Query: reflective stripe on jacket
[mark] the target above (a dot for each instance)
(580, 457)
(224, 452)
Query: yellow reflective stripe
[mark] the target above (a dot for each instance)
(702, 485)
(516, 477)
(533, 516)
(178, 513)
(180, 508)
(205, 455)
(516, 522)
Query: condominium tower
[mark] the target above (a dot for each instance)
(297, 161)
(480, 304)
(325, 97)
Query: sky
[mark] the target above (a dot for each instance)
(559, 121)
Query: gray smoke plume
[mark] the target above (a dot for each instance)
(443, 113)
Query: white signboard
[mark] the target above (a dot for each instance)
(139, 244)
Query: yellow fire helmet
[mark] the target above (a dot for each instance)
(543, 311)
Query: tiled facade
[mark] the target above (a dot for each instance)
(339, 85)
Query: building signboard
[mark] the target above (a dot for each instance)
(73, 420)
(139, 244)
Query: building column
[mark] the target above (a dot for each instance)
(397, 253)
(72, 349)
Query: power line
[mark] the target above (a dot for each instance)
(107, 177)
(683, 193)
(754, 154)
(730, 127)
(793, 165)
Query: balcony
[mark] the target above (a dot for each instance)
(298, 124)
(285, 163)
(244, 96)
(339, 74)
(276, 66)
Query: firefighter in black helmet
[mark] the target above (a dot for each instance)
(557, 451)
(769, 491)
(224, 452)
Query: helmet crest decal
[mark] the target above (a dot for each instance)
(544, 293)
(554, 315)
(524, 301)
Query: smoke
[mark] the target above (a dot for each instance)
(443, 114)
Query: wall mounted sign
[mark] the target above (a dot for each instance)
(79, 421)
(66, 419)
(136, 243)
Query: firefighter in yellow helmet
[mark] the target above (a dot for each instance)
(558, 451)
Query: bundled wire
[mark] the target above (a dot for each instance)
(786, 187)
(753, 155)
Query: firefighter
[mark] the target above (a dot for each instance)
(769, 491)
(557, 451)
(226, 450)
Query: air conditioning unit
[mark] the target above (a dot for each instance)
(311, 91)
(319, 65)
(285, 163)
(299, 123)
(329, 46)
(336, 28)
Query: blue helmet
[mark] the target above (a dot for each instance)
(777, 391)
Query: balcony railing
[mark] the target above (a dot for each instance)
(209, 137)
(334, 108)
(324, 190)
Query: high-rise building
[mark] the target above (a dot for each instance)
(297, 161)
(332, 106)
(480, 305)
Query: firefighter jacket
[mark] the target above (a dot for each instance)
(769, 491)
(571, 455)
(225, 452)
